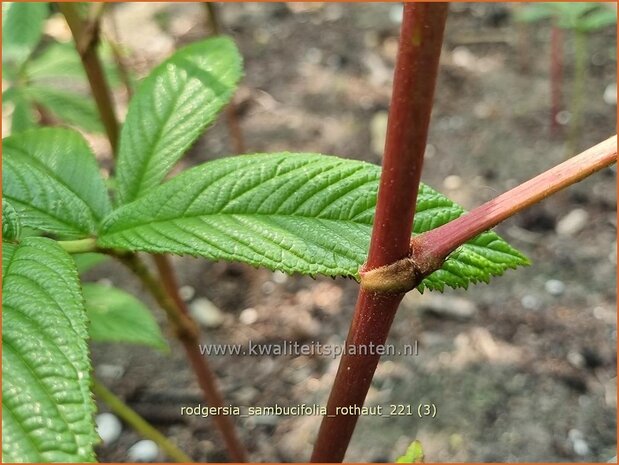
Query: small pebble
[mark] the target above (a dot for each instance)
(248, 316)
(530, 302)
(108, 427)
(268, 287)
(610, 94)
(206, 313)
(111, 372)
(378, 132)
(581, 447)
(452, 182)
(187, 293)
(554, 287)
(279, 277)
(143, 451)
(576, 359)
(563, 117)
(572, 223)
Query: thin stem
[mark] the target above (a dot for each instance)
(187, 333)
(132, 418)
(556, 76)
(118, 56)
(86, 37)
(409, 117)
(578, 88)
(234, 127)
(80, 245)
(435, 245)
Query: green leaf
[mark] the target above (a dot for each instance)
(414, 454)
(534, 12)
(60, 64)
(116, 316)
(599, 19)
(78, 110)
(172, 107)
(303, 213)
(23, 117)
(11, 226)
(86, 261)
(22, 26)
(47, 408)
(51, 177)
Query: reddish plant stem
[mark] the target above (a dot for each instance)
(409, 117)
(187, 333)
(86, 36)
(435, 245)
(556, 76)
(234, 127)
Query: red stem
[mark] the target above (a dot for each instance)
(409, 117)
(86, 37)
(556, 76)
(437, 244)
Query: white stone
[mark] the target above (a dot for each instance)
(530, 302)
(187, 293)
(108, 427)
(378, 132)
(248, 316)
(610, 94)
(554, 287)
(206, 313)
(572, 223)
(143, 451)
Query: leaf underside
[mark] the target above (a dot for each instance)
(169, 112)
(305, 213)
(47, 408)
(116, 316)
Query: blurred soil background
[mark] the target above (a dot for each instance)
(523, 369)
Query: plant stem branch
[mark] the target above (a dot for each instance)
(86, 37)
(435, 245)
(234, 127)
(79, 246)
(138, 423)
(409, 118)
(187, 332)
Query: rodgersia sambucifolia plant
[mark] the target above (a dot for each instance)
(294, 212)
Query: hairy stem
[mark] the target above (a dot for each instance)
(133, 419)
(434, 246)
(409, 118)
(86, 37)
(187, 332)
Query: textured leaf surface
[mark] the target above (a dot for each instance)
(74, 109)
(47, 409)
(22, 26)
(303, 213)
(52, 179)
(11, 227)
(172, 107)
(116, 316)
